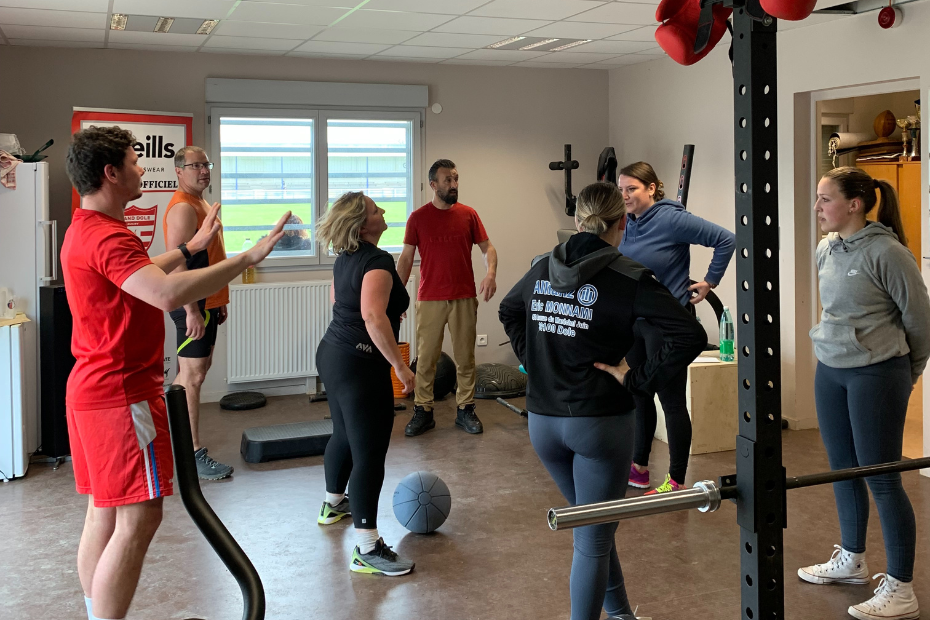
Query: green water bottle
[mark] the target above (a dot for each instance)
(726, 336)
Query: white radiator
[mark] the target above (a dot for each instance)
(274, 329)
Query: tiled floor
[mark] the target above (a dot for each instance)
(494, 558)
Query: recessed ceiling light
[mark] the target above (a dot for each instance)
(568, 45)
(539, 44)
(207, 26)
(164, 24)
(118, 21)
(506, 42)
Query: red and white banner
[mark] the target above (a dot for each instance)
(159, 135)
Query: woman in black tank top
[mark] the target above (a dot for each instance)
(354, 360)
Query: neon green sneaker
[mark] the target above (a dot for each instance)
(381, 561)
(666, 487)
(329, 514)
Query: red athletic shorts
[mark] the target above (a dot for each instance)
(122, 455)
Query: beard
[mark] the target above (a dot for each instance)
(450, 197)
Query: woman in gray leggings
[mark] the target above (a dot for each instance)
(570, 320)
(872, 344)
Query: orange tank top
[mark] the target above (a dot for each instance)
(216, 252)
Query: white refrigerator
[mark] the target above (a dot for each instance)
(28, 259)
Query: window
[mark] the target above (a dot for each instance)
(266, 169)
(272, 161)
(373, 157)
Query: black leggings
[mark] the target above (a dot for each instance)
(674, 404)
(361, 401)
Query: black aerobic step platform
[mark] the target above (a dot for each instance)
(285, 441)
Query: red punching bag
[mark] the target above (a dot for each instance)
(792, 10)
(680, 20)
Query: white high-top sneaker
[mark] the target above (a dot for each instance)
(893, 599)
(843, 567)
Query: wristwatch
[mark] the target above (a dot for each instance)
(187, 254)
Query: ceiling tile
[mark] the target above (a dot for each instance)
(619, 13)
(432, 61)
(285, 13)
(611, 47)
(242, 51)
(541, 9)
(623, 61)
(342, 4)
(511, 55)
(579, 30)
(156, 38)
(50, 43)
(491, 25)
(392, 20)
(268, 31)
(647, 33)
(252, 43)
(443, 39)
(43, 33)
(365, 35)
(484, 63)
(415, 51)
(350, 49)
(95, 6)
(61, 19)
(331, 56)
(443, 7)
(207, 9)
(185, 25)
(547, 65)
(151, 48)
(565, 57)
(142, 23)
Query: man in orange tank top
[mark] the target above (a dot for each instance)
(196, 322)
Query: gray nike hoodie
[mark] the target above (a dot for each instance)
(875, 302)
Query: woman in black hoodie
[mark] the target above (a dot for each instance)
(570, 321)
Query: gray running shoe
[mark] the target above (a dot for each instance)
(329, 514)
(208, 469)
(381, 561)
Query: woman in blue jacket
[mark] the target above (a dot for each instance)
(659, 234)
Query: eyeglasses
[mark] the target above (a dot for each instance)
(199, 165)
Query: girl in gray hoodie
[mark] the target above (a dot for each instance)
(872, 344)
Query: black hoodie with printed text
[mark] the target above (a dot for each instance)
(577, 306)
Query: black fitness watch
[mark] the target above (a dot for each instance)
(185, 251)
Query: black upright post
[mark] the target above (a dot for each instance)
(225, 546)
(760, 476)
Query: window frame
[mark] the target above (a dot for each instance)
(320, 116)
(350, 115)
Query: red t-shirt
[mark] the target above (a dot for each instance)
(444, 239)
(118, 340)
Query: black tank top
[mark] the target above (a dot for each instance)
(347, 331)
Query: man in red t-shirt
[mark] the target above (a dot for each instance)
(117, 421)
(444, 231)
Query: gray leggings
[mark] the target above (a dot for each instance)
(861, 413)
(589, 459)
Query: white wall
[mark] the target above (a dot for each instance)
(501, 125)
(657, 106)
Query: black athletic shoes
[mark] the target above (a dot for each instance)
(421, 422)
(467, 419)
